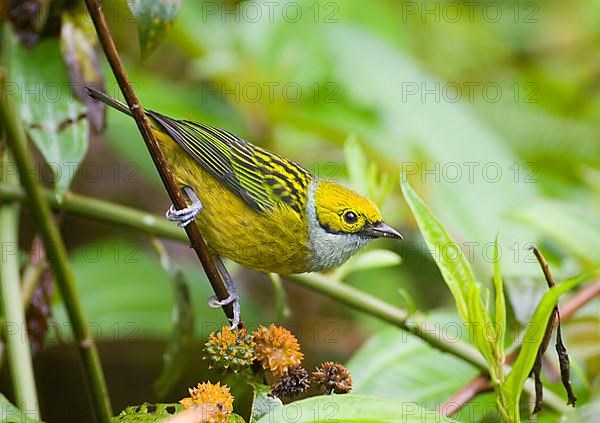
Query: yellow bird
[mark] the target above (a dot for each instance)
(257, 208)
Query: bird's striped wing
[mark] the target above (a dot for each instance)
(261, 178)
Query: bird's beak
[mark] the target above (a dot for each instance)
(381, 230)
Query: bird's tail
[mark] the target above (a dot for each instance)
(109, 101)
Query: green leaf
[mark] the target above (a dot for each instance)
(394, 364)
(147, 413)
(457, 274)
(262, 402)
(500, 306)
(447, 254)
(357, 164)
(155, 18)
(572, 227)
(500, 310)
(79, 47)
(370, 259)
(10, 413)
(55, 121)
(513, 386)
(351, 408)
(365, 176)
(180, 346)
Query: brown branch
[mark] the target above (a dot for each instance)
(482, 383)
(196, 240)
(476, 386)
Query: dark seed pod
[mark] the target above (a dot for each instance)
(333, 378)
(292, 384)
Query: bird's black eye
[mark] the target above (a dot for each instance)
(350, 217)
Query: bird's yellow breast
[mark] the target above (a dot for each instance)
(272, 241)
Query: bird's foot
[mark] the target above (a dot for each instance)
(233, 299)
(187, 215)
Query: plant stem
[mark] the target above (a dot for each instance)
(114, 214)
(103, 211)
(15, 325)
(388, 313)
(197, 242)
(55, 250)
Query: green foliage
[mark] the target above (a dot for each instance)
(488, 336)
(147, 413)
(392, 364)
(513, 386)
(262, 402)
(364, 174)
(351, 408)
(371, 259)
(458, 276)
(54, 119)
(575, 229)
(10, 413)
(155, 18)
(79, 47)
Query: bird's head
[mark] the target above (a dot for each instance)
(340, 222)
(340, 210)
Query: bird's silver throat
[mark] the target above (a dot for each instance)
(328, 250)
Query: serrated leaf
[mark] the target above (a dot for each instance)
(79, 47)
(155, 18)
(54, 119)
(513, 386)
(351, 408)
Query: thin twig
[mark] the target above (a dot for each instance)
(561, 350)
(195, 238)
(55, 249)
(475, 387)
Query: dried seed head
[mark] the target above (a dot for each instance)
(214, 401)
(277, 349)
(229, 350)
(333, 377)
(295, 382)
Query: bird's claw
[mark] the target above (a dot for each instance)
(214, 302)
(233, 299)
(186, 215)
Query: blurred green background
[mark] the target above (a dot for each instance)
(490, 109)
